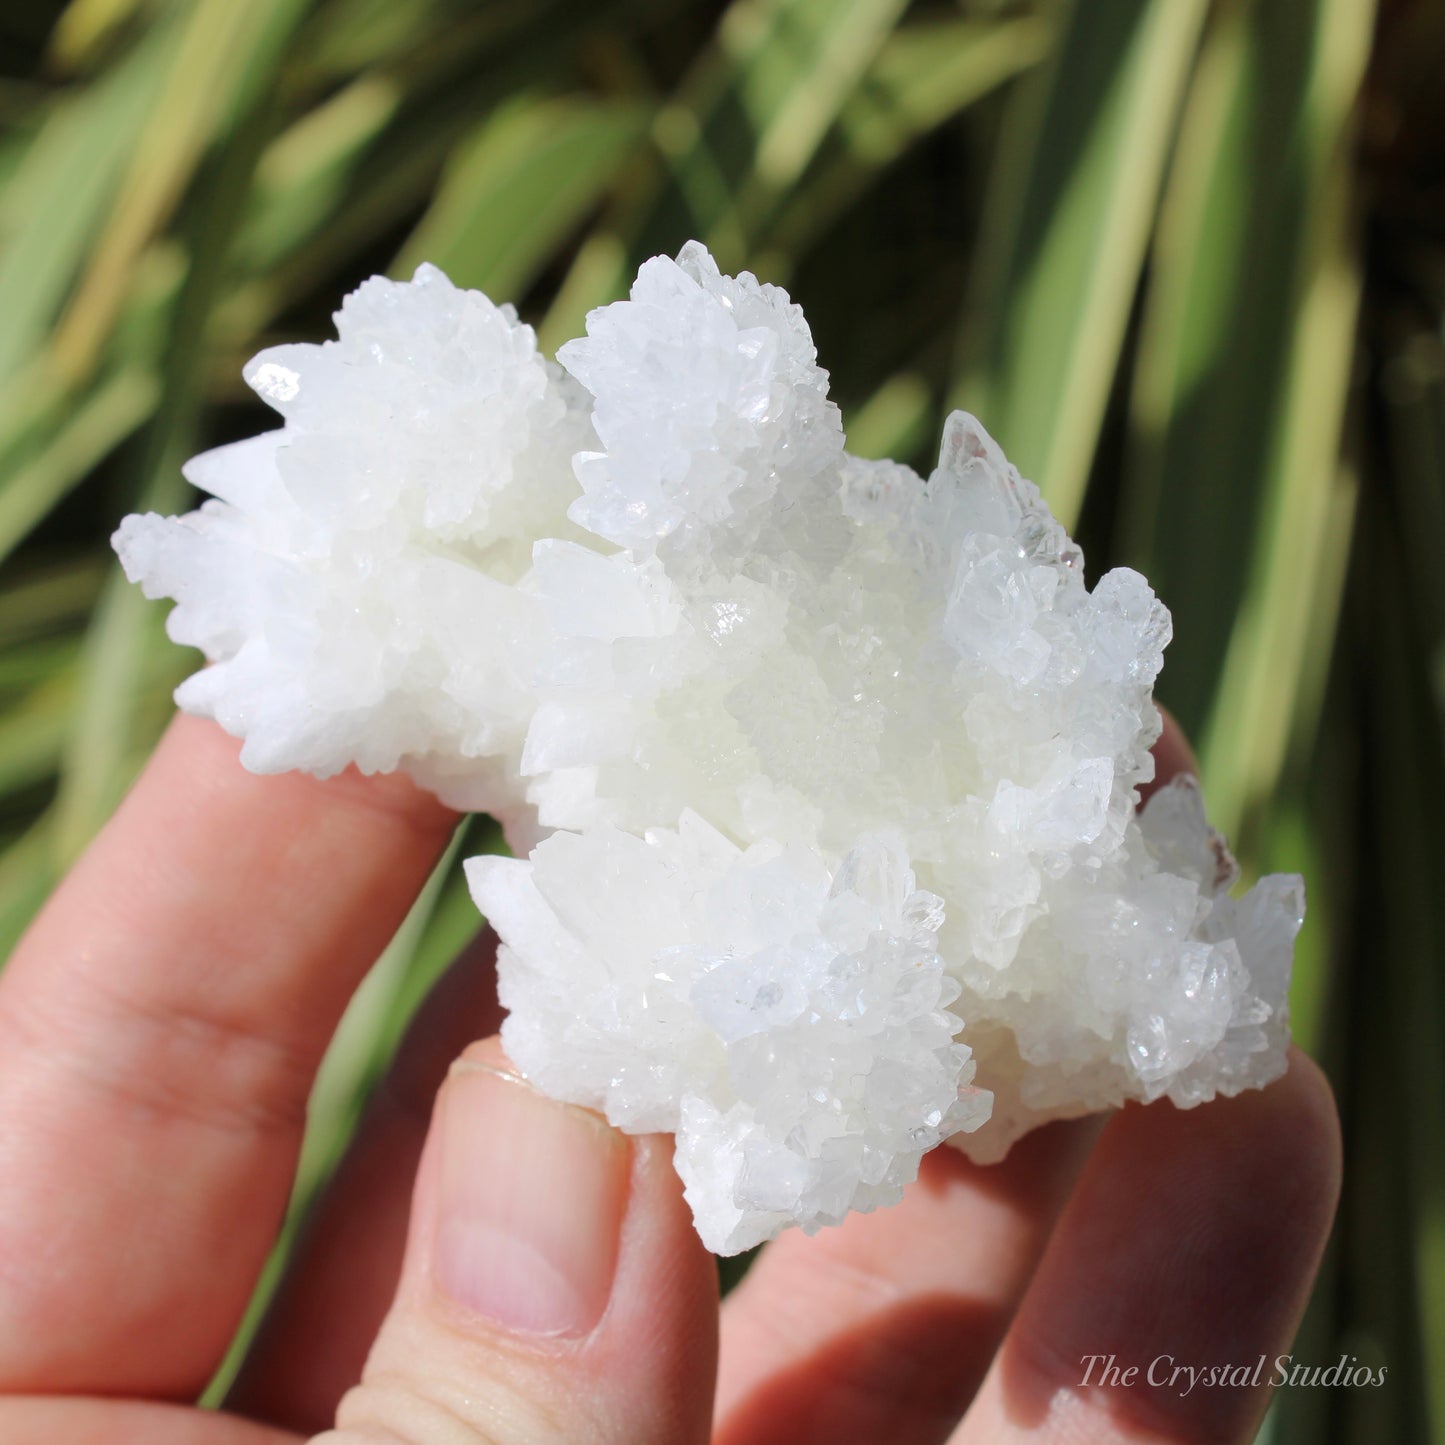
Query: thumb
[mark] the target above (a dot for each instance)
(553, 1287)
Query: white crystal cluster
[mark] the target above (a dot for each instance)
(822, 778)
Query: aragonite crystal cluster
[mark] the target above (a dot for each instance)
(822, 778)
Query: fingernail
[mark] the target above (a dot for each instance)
(531, 1201)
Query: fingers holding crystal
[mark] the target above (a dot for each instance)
(887, 1325)
(884, 1327)
(44, 1420)
(1176, 1275)
(553, 1286)
(342, 1277)
(160, 1025)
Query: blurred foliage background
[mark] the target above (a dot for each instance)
(1185, 259)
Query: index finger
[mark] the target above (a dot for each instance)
(160, 1025)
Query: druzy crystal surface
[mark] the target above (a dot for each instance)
(822, 778)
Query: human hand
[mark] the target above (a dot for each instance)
(160, 1026)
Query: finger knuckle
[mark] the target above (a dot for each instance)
(406, 1411)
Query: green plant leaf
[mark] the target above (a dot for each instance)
(116, 408)
(220, 60)
(1246, 349)
(922, 76)
(1067, 222)
(31, 733)
(27, 874)
(303, 176)
(893, 421)
(68, 176)
(516, 188)
(739, 129)
(48, 598)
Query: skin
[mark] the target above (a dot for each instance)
(160, 1026)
